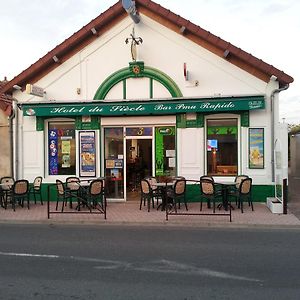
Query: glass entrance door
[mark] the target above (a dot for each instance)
(138, 164)
(114, 162)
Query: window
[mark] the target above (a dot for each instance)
(165, 153)
(222, 147)
(61, 148)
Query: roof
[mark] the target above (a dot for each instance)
(5, 100)
(115, 13)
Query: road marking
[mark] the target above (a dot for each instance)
(28, 255)
(167, 266)
(157, 266)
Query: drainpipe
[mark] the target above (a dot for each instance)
(11, 138)
(277, 91)
(129, 6)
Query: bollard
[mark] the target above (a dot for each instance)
(284, 195)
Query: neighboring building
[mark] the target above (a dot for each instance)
(294, 136)
(150, 93)
(5, 144)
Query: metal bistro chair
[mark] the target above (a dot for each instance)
(177, 193)
(244, 193)
(62, 194)
(2, 198)
(209, 192)
(234, 190)
(157, 192)
(7, 183)
(36, 189)
(20, 193)
(146, 194)
(73, 188)
(95, 196)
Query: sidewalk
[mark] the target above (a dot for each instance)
(129, 214)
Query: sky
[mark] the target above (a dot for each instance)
(268, 29)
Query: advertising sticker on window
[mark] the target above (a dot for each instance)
(256, 148)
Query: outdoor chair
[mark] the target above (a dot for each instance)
(157, 192)
(243, 193)
(95, 196)
(73, 188)
(176, 194)
(36, 189)
(62, 194)
(238, 179)
(209, 192)
(7, 183)
(218, 187)
(20, 193)
(2, 201)
(146, 194)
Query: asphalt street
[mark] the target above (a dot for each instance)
(123, 262)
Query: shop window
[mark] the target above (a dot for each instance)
(61, 148)
(165, 153)
(222, 147)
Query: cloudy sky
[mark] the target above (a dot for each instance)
(268, 29)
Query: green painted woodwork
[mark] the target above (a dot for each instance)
(131, 72)
(93, 125)
(259, 193)
(151, 88)
(134, 108)
(245, 119)
(124, 89)
(182, 122)
(215, 130)
(159, 153)
(40, 124)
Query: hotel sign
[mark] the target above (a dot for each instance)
(154, 107)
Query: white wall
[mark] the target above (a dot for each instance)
(167, 51)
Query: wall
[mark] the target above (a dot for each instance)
(295, 155)
(167, 51)
(5, 169)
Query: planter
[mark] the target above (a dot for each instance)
(275, 206)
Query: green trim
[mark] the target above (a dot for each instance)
(124, 89)
(182, 122)
(150, 107)
(151, 88)
(259, 193)
(245, 119)
(126, 73)
(40, 124)
(93, 125)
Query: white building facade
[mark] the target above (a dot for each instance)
(166, 103)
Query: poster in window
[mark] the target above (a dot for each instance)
(256, 148)
(87, 166)
(53, 153)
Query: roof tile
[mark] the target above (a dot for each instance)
(84, 36)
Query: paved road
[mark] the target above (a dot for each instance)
(113, 262)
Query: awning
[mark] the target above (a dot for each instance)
(149, 107)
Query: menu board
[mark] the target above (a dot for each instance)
(87, 165)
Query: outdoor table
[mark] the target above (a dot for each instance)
(163, 187)
(225, 187)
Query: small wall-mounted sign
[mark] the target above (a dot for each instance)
(34, 90)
